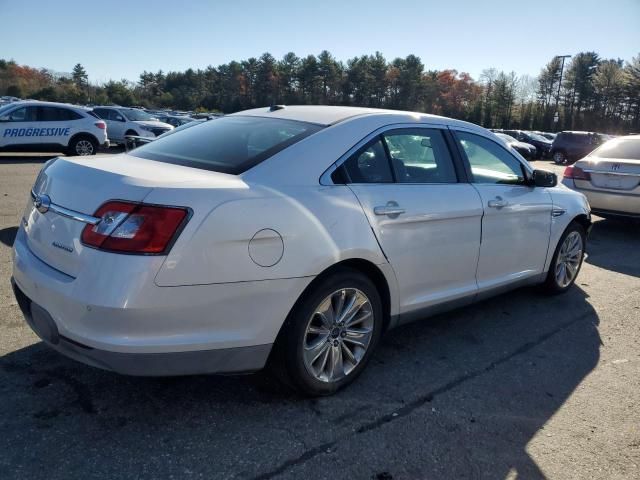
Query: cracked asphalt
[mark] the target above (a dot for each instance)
(519, 386)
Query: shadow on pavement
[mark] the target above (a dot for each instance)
(608, 246)
(8, 235)
(456, 396)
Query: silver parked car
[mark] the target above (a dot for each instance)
(294, 234)
(610, 177)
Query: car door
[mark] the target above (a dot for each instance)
(426, 221)
(115, 123)
(516, 223)
(18, 127)
(57, 121)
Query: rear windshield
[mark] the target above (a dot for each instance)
(622, 148)
(230, 144)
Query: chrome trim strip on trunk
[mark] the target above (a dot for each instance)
(609, 172)
(65, 212)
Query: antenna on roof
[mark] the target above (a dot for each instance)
(274, 108)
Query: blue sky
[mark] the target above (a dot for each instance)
(119, 39)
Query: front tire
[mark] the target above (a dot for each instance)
(567, 259)
(559, 157)
(82, 146)
(330, 334)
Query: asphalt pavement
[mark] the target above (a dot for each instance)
(520, 386)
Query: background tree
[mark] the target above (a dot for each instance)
(595, 94)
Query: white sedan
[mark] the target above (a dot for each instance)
(294, 236)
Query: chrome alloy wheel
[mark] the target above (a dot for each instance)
(84, 147)
(338, 334)
(569, 258)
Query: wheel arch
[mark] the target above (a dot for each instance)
(83, 134)
(584, 220)
(367, 268)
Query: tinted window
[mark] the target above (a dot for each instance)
(420, 156)
(136, 115)
(622, 148)
(24, 114)
(230, 144)
(101, 113)
(369, 165)
(55, 114)
(490, 163)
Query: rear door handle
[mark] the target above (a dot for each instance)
(498, 202)
(391, 209)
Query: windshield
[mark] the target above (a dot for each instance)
(229, 144)
(506, 138)
(622, 148)
(6, 108)
(136, 115)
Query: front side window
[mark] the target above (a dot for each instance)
(136, 115)
(489, 162)
(369, 165)
(24, 114)
(230, 144)
(420, 156)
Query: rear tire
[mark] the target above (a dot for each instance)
(82, 145)
(324, 345)
(567, 260)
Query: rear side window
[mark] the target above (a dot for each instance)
(230, 144)
(55, 114)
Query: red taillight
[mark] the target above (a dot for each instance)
(576, 173)
(134, 228)
(101, 125)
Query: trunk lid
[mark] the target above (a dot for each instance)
(81, 185)
(612, 173)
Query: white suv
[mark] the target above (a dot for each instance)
(51, 127)
(123, 122)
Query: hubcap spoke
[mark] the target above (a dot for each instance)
(338, 334)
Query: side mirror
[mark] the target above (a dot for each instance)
(543, 178)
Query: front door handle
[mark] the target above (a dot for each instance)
(391, 210)
(498, 202)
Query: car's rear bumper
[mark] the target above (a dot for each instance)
(225, 360)
(128, 324)
(606, 202)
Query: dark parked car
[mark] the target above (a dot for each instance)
(543, 145)
(527, 150)
(175, 120)
(570, 146)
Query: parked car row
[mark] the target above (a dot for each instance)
(570, 146)
(75, 130)
(45, 126)
(541, 145)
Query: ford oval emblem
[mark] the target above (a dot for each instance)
(42, 203)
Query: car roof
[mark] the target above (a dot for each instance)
(330, 115)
